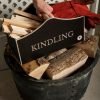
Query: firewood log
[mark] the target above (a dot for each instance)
(21, 18)
(20, 31)
(30, 66)
(34, 69)
(14, 31)
(41, 60)
(23, 24)
(56, 53)
(51, 56)
(6, 28)
(15, 36)
(90, 46)
(24, 14)
(38, 72)
(66, 63)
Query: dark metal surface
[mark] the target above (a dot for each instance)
(3, 41)
(69, 88)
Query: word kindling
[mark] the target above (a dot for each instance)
(52, 41)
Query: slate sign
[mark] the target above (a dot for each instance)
(52, 35)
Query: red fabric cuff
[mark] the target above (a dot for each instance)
(70, 9)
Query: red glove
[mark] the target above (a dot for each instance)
(72, 10)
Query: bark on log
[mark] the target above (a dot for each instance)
(66, 63)
(15, 36)
(56, 53)
(41, 60)
(90, 46)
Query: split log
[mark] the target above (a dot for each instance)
(28, 15)
(56, 53)
(41, 60)
(15, 36)
(14, 31)
(6, 28)
(90, 46)
(38, 72)
(51, 56)
(21, 18)
(20, 31)
(66, 63)
(35, 70)
(23, 24)
(30, 66)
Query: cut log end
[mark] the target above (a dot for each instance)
(34, 69)
(38, 72)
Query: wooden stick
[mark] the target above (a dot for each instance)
(66, 63)
(20, 31)
(34, 69)
(6, 28)
(41, 60)
(55, 54)
(38, 72)
(28, 25)
(15, 36)
(21, 18)
(34, 17)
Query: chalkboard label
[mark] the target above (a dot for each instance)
(52, 35)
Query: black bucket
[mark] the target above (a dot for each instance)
(69, 88)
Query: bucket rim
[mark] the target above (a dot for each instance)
(72, 77)
(69, 78)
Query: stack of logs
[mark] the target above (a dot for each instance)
(58, 64)
(64, 62)
(21, 24)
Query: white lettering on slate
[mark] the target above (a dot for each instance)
(51, 41)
